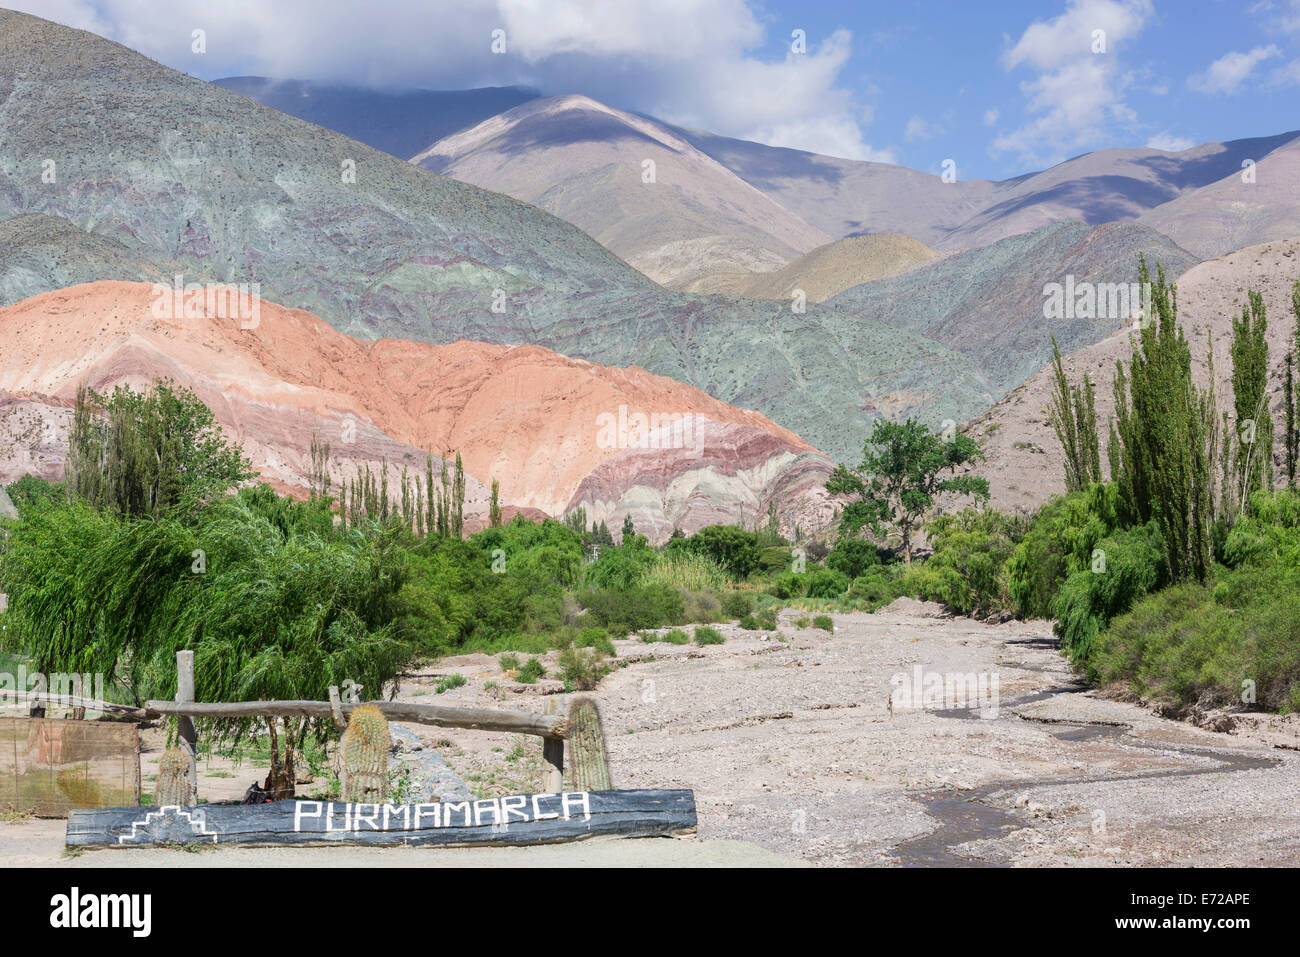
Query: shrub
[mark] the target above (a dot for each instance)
(634, 609)
(1198, 644)
(733, 549)
(789, 585)
(875, 589)
(596, 638)
(967, 571)
(803, 622)
(582, 668)
(508, 662)
(1059, 540)
(622, 568)
(827, 583)
(737, 604)
(674, 637)
(853, 556)
(530, 671)
(764, 619)
(704, 635)
(824, 622)
(1134, 565)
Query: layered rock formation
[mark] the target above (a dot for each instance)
(556, 432)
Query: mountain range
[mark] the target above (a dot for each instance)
(821, 293)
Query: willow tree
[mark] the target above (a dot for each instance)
(143, 453)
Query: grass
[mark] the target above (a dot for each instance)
(824, 622)
(449, 682)
(674, 637)
(685, 570)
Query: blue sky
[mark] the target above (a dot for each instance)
(1001, 88)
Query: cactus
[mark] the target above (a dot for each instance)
(587, 758)
(363, 757)
(173, 785)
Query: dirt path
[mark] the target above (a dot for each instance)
(796, 757)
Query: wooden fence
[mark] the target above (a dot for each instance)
(592, 808)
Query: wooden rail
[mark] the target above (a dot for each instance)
(480, 719)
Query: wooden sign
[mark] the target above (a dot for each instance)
(518, 819)
(50, 766)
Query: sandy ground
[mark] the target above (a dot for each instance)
(796, 757)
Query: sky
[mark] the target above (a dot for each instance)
(999, 88)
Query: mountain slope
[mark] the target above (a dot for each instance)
(398, 122)
(544, 425)
(845, 197)
(1229, 214)
(183, 172)
(826, 270)
(587, 163)
(988, 303)
(47, 252)
(1025, 465)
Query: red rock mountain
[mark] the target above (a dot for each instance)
(556, 432)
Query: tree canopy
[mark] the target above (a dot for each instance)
(905, 467)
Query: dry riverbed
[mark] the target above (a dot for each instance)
(796, 757)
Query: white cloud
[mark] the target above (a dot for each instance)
(1288, 75)
(1077, 93)
(691, 62)
(1170, 143)
(918, 128)
(991, 117)
(1229, 73)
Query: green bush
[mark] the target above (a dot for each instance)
(704, 635)
(734, 549)
(852, 557)
(596, 638)
(1059, 540)
(582, 668)
(737, 604)
(633, 609)
(530, 671)
(824, 622)
(789, 585)
(967, 570)
(1210, 645)
(1128, 565)
(622, 568)
(827, 583)
(674, 636)
(875, 589)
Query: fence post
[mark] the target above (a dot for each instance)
(553, 753)
(187, 739)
